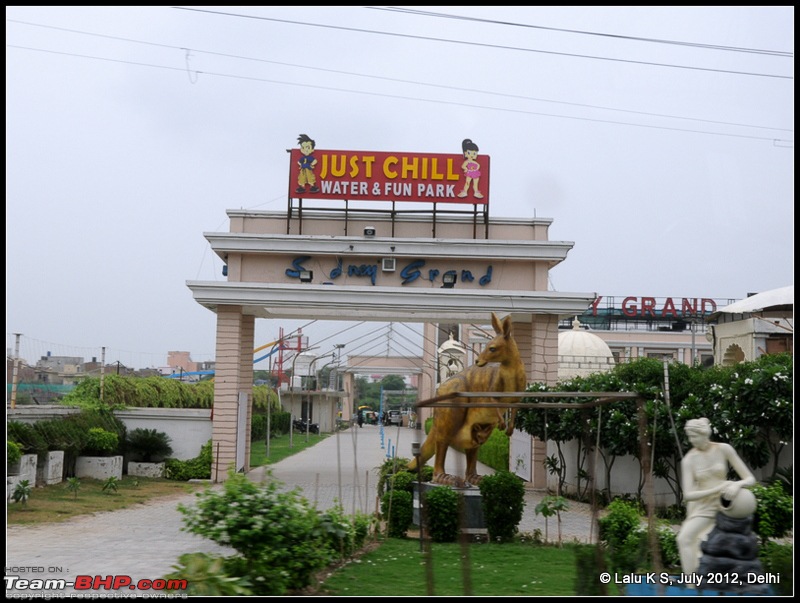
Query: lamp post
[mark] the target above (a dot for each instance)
(415, 450)
(294, 364)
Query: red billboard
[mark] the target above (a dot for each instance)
(378, 176)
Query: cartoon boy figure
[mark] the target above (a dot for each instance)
(307, 164)
(471, 168)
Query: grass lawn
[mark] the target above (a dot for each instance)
(56, 503)
(398, 566)
(281, 447)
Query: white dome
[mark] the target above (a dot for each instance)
(582, 353)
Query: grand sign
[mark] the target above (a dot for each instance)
(651, 307)
(380, 176)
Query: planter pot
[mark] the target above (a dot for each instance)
(99, 467)
(11, 483)
(52, 470)
(27, 468)
(146, 469)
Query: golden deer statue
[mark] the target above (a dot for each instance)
(468, 428)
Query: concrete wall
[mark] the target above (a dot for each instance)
(625, 473)
(188, 428)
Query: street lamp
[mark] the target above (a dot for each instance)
(294, 364)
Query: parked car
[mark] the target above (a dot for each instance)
(394, 418)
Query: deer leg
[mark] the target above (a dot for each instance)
(501, 420)
(513, 417)
(471, 475)
(439, 475)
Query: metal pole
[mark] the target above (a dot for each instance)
(415, 450)
(16, 370)
(102, 371)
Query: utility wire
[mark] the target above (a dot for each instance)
(423, 13)
(400, 80)
(481, 44)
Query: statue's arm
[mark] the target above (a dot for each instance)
(746, 477)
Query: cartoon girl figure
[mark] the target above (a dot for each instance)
(307, 164)
(471, 168)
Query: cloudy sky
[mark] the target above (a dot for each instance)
(660, 140)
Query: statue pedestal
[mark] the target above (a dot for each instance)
(730, 560)
(472, 522)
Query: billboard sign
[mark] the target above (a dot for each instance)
(381, 176)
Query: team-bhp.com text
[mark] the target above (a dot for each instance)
(94, 584)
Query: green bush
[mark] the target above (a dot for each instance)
(26, 436)
(774, 516)
(197, 468)
(207, 576)
(13, 453)
(403, 480)
(344, 535)
(148, 445)
(22, 492)
(277, 534)
(71, 433)
(426, 474)
(502, 501)
(442, 513)
(397, 508)
(494, 452)
(778, 559)
(668, 545)
(590, 561)
(621, 531)
(387, 469)
(100, 442)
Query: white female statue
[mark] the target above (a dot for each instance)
(704, 483)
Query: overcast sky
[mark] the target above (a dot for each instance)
(660, 140)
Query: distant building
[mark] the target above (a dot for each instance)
(178, 361)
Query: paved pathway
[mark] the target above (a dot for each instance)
(144, 542)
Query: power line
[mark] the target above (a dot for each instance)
(481, 44)
(403, 97)
(398, 80)
(423, 13)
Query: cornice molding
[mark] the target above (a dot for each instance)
(413, 304)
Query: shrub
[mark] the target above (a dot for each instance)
(344, 535)
(494, 452)
(403, 480)
(778, 559)
(774, 516)
(387, 470)
(397, 508)
(13, 453)
(71, 433)
(442, 513)
(22, 491)
(100, 442)
(502, 501)
(207, 576)
(667, 544)
(258, 427)
(197, 468)
(26, 437)
(590, 564)
(148, 445)
(621, 532)
(277, 533)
